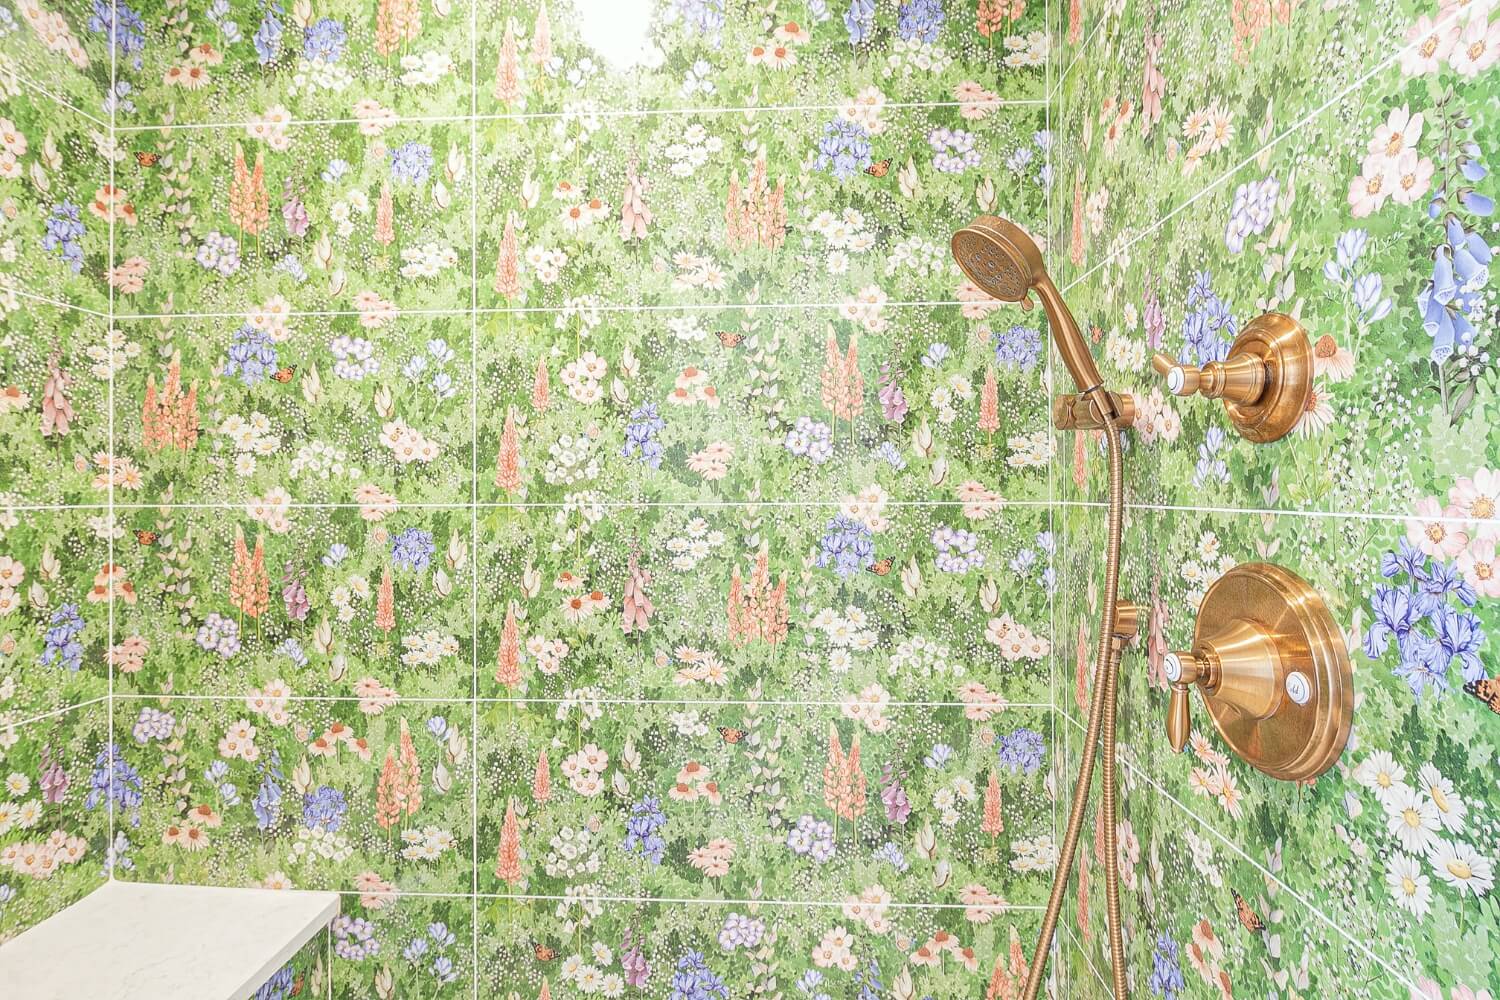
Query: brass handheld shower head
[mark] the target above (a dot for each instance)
(998, 256)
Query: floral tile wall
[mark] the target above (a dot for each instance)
(534, 469)
(1296, 158)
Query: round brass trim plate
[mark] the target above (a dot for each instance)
(1282, 345)
(1295, 742)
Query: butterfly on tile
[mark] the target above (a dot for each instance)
(543, 952)
(730, 340)
(147, 159)
(284, 375)
(297, 987)
(146, 537)
(1249, 919)
(731, 735)
(881, 567)
(879, 168)
(1487, 690)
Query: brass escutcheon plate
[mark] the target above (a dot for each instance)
(1295, 742)
(1283, 346)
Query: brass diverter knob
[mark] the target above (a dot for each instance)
(1265, 382)
(1274, 672)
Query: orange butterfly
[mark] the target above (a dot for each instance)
(731, 340)
(284, 375)
(1486, 690)
(1249, 919)
(731, 735)
(879, 168)
(297, 987)
(146, 159)
(146, 537)
(544, 953)
(881, 567)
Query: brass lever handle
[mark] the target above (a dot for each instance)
(1241, 378)
(1183, 671)
(1266, 381)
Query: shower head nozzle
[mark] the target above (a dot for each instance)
(1003, 261)
(999, 257)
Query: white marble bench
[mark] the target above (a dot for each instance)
(130, 941)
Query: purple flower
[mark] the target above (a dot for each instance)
(921, 20)
(413, 549)
(810, 439)
(1018, 347)
(694, 980)
(62, 643)
(219, 635)
(411, 162)
(353, 938)
(267, 39)
(1021, 750)
(859, 20)
(953, 150)
(740, 931)
(324, 807)
(812, 838)
(957, 550)
(844, 149)
(1166, 975)
(640, 435)
(324, 41)
(219, 253)
(252, 355)
(643, 830)
(114, 780)
(1253, 208)
(846, 546)
(152, 724)
(704, 16)
(63, 230)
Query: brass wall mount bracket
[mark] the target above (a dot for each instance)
(1265, 382)
(1274, 672)
(1076, 412)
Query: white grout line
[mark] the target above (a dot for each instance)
(399, 313)
(6, 284)
(1219, 181)
(51, 714)
(114, 27)
(1087, 959)
(474, 488)
(717, 504)
(1306, 904)
(1077, 58)
(594, 112)
(1272, 512)
(685, 900)
(549, 505)
(29, 84)
(606, 700)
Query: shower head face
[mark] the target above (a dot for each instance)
(998, 257)
(1005, 264)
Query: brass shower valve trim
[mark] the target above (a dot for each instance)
(1273, 670)
(1265, 382)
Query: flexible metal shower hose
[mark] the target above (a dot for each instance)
(1101, 722)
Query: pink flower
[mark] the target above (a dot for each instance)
(1481, 566)
(1477, 47)
(1428, 531)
